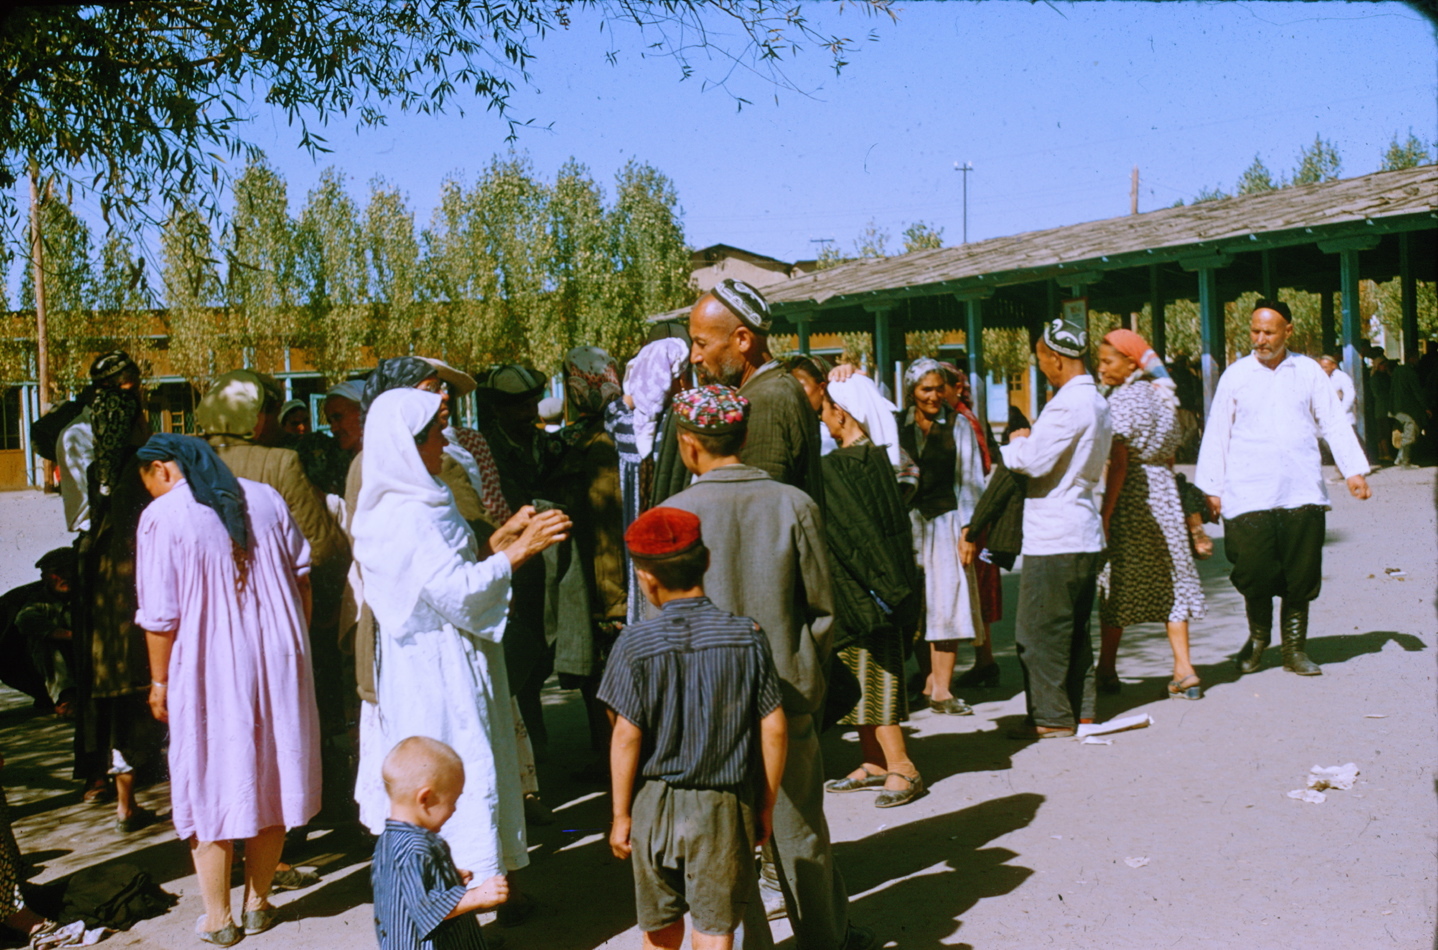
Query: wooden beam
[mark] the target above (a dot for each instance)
(801, 326)
(1408, 289)
(883, 345)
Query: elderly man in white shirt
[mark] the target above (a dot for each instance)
(1260, 467)
(1342, 386)
(1063, 457)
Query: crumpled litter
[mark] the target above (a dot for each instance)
(1095, 740)
(71, 935)
(1322, 777)
(1135, 862)
(1087, 729)
(1333, 776)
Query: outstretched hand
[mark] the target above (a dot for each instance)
(544, 529)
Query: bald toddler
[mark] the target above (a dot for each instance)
(421, 900)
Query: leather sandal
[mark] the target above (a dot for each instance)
(892, 798)
(953, 706)
(870, 781)
(224, 937)
(1190, 687)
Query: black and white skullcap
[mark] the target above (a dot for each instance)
(744, 302)
(1066, 337)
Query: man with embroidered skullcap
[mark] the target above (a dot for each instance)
(768, 560)
(729, 330)
(699, 718)
(1260, 467)
(1063, 548)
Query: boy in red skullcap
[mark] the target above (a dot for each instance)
(699, 719)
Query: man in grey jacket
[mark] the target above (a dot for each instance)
(768, 561)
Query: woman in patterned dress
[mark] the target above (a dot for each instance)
(1150, 577)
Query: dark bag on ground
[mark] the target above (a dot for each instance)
(114, 896)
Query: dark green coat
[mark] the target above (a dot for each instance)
(871, 550)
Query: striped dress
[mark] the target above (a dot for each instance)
(619, 422)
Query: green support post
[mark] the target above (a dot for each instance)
(1352, 331)
(1328, 336)
(1156, 311)
(974, 334)
(1270, 283)
(801, 323)
(1408, 288)
(883, 347)
(1210, 325)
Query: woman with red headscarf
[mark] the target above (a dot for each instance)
(1150, 577)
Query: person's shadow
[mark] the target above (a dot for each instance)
(940, 868)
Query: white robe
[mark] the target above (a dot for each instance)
(442, 675)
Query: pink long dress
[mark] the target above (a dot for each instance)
(244, 730)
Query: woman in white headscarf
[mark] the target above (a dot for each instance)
(876, 587)
(440, 605)
(650, 381)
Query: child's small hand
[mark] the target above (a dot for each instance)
(492, 892)
(465, 876)
(619, 839)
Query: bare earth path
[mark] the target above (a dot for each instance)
(1017, 845)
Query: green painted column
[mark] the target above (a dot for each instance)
(1352, 330)
(1211, 332)
(1408, 288)
(801, 324)
(1156, 311)
(883, 346)
(974, 334)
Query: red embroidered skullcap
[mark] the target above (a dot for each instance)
(663, 532)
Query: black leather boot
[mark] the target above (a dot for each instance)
(1250, 658)
(1293, 620)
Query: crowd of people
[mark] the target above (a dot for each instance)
(722, 551)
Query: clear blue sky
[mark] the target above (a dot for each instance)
(1053, 105)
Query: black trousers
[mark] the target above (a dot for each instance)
(1051, 634)
(1277, 552)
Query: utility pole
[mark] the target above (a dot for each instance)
(966, 167)
(37, 260)
(1133, 192)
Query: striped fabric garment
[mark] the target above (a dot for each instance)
(696, 681)
(415, 886)
(619, 422)
(491, 495)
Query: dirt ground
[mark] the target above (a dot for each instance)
(1016, 845)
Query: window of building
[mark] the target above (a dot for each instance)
(10, 419)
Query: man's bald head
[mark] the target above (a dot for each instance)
(723, 347)
(420, 762)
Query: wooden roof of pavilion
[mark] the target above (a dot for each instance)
(1297, 215)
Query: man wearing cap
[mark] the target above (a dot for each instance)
(1260, 467)
(729, 333)
(768, 560)
(1063, 457)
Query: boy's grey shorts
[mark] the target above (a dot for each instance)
(693, 851)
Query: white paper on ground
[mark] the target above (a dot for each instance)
(1308, 795)
(1135, 862)
(1095, 740)
(1087, 729)
(1332, 776)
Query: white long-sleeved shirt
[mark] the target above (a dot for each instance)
(1343, 388)
(1260, 443)
(74, 451)
(1064, 458)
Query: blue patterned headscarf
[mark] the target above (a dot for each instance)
(210, 480)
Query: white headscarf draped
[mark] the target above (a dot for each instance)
(648, 380)
(406, 526)
(860, 398)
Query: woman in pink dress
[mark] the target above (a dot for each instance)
(224, 598)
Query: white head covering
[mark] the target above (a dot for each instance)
(647, 381)
(351, 389)
(406, 526)
(860, 398)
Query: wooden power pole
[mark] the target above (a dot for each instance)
(37, 261)
(1133, 192)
